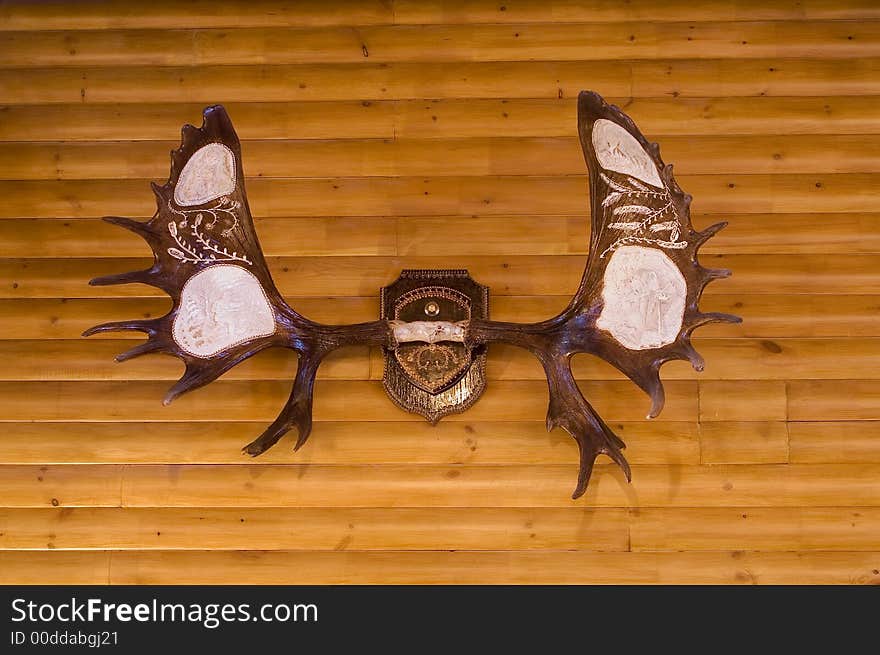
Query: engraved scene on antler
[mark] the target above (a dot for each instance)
(225, 305)
(636, 305)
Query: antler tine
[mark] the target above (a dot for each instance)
(137, 325)
(313, 342)
(148, 346)
(714, 317)
(569, 410)
(147, 276)
(297, 411)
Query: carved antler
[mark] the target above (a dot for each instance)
(226, 307)
(635, 307)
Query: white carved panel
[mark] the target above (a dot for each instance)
(617, 150)
(221, 306)
(429, 331)
(644, 295)
(209, 174)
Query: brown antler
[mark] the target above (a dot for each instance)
(226, 307)
(635, 307)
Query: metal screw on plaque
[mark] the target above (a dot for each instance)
(432, 309)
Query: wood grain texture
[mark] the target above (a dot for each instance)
(463, 528)
(523, 275)
(392, 134)
(405, 43)
(394, 485)
(747, 234)
(342, 442)
(693, 78)
(98, 14)
(731, 359)
(459, 195)
(464, 567)
(530, 156)
(837, 441)
(449, 118)
(769, 316)
(335, 400)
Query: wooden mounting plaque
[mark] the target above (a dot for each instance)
(434, 379)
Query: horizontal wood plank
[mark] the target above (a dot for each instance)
(313, 485)
(62, 567)
(417, 80)
(552, 567)
(756, 528)
(414, 196)
(335, 400)
(61, 486)
(561, 11)
(462, 567)
(835, 441)
(478, 529)
(339, 442)
(765, 316)
(796, 314)
(770, 234)
(731, 359)
(315, 529)
(744, 442)
(505, 276)
(550, 485)
(168, 14)
(763, 400)
(827, 400)
(450, 118)
(530, 156)
(448, 43)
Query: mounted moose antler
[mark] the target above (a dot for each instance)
(635, 307)
(226, 307)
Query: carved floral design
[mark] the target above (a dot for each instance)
(638, 222)
(204, 250)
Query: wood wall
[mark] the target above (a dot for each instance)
(426, 133)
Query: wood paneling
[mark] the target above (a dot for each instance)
(169, 14)
(530, 156)
(335, 400)
(731, 359)
(409, 236)
(381, 135)
(692, 78)
(767, 316)
(458, 195)
(517, 275)
(438, 567)
(450, 118)
(343, 442)
(460, 528)
(394, 485)
(756, 528)
(453, 43)
(838, 441)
